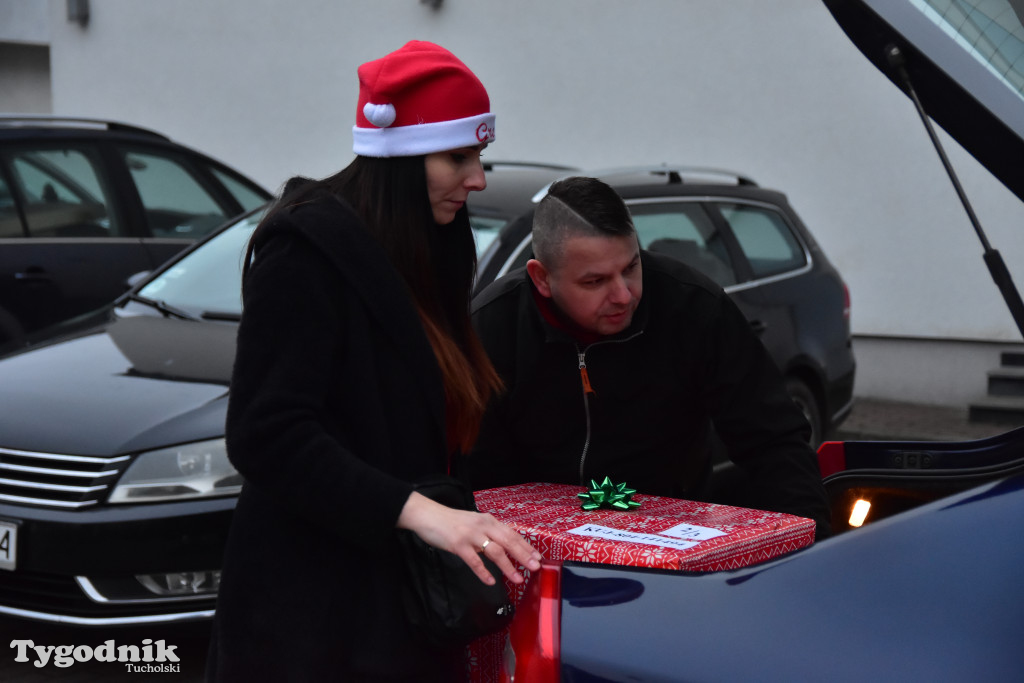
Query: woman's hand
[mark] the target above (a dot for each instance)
(467, 534)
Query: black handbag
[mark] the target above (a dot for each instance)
(444, 599)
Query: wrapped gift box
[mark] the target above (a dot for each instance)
(550, 517)
(665, 533)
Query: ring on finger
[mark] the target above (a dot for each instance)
(484, 545)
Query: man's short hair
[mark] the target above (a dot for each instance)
(573, 207)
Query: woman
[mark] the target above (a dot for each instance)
(357, 373)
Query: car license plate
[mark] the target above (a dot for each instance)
(8, 545)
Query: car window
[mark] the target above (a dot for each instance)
(175, 203)
(63, 194)
(243, 193)
(208, 279)
(10, 223)
(683, 231)
(485, 230)
(765, 238)
(680, 230)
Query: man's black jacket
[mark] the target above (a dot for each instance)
(688, 362)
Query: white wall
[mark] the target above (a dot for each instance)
(773, 89)
(940, 372)
(24, 21)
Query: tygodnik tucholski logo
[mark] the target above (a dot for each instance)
(148, 657)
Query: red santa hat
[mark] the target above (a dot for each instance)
(417, 100)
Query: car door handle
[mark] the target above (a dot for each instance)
(758, 326)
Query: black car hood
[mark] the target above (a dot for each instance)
(980, 105)
(133, 383)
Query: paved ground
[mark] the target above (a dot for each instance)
(873, 419)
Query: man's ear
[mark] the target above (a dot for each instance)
(539, 274)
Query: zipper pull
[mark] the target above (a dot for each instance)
(587, 389)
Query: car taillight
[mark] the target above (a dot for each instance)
(846, 302)
(532, 651)
(831, 458)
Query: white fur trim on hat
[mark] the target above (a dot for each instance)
(424, 138)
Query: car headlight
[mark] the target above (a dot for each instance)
(189, 471)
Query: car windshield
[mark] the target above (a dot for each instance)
(207, 281)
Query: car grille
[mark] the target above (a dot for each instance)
(66, 481)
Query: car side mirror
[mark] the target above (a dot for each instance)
(135, 279)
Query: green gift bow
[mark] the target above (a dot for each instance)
(608, 495)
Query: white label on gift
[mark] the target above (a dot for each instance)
(610, 534)
(693, 532)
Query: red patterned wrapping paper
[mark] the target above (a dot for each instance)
(545, 513)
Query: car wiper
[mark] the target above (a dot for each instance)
(230, 316)
(168, 310)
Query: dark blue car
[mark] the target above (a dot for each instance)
(932, 593)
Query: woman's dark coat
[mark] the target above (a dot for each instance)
(336, 404)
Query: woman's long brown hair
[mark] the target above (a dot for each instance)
(437, 263)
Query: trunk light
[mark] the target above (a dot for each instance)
(859, 512)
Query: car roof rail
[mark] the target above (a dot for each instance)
(491, 165)
(679, 174)
(674, 173)
(44, 120)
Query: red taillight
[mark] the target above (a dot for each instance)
(532, 653)
(846, 302)
(831, 458)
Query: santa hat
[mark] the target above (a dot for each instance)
(417, 100)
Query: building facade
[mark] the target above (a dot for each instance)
(773, 90)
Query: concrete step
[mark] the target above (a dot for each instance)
(1004, 410)
(1006, 381)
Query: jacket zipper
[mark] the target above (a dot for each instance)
(588, 389)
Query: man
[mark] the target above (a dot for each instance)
(629, 364)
